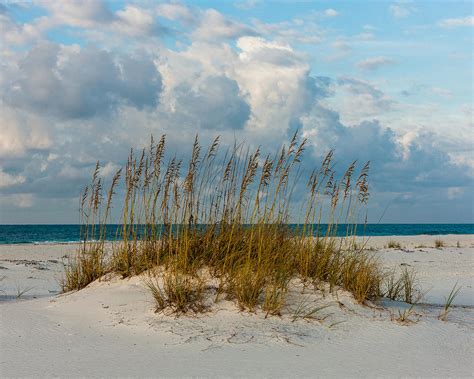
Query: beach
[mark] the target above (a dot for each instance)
(248, 188)
(110, 329)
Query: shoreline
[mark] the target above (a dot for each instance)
(450, 237)
(468, 239)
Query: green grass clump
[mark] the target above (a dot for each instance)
(227, 215)
(401, 287)
(449, 301)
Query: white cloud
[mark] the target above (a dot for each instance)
(357, 101)
(276, 80)
(97, 19)
(331, 12)
(17, 34)
(341, 44)
(135, 22)
(64, 107)
(374, 63)
(455, 22)
(21, 131)
(8, 180)
(215, 26)
(366, 36)
(290, 32)
(401, 9)
(20, 200)
(79, 83)
(177, 11)
(86, 13)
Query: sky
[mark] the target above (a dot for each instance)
(385, 81)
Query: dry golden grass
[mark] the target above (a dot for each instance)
(393, 245)
(178, 291)
(227, 214)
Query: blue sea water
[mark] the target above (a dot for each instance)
(15, 234)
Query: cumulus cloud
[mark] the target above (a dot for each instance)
(63, 107)
(84, 13)
(91, 19)
(277, 82)
(137, 22)
(214, 103)
(177, 11)
(215, 26)
(17, 34)
(374, 63)
(22, 132)
(358, 100)
(421, 165)
(80, 83)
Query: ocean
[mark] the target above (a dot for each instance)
(42, 234)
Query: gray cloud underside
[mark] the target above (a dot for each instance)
(89, 83)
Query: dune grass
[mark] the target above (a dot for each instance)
(404, 316)
(224, 217)
(402, 286)
(439, 243)
(393, 245)
(449, 302)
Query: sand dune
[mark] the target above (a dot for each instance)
(109, 329)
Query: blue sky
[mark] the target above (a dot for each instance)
(386, 81)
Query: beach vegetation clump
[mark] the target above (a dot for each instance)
(449, 302)
(89, 263)
(22, 291)
(307, 310)
(394, 286)
(410, 293)
(177, 291)
(228, 218)
(401, 286)
(439, 243)
(394, 245)
(404, 316)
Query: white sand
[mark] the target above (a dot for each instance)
(109, 329)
